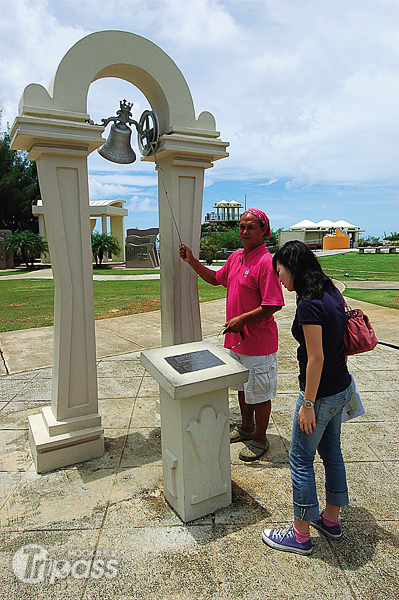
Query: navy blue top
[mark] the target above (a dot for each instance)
(329, 312)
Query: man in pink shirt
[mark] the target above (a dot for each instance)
(254, 294)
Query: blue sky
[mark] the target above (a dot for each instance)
(305, 92)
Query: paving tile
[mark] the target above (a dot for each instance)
(9, 481)
(57, 552)
(38, 389)
(288, 382)
(10, 388)
(379, 406)
(145, 413)
(114, 443)
(37, 345)
(15, 414)
(368, 383)
(372, 485)
(139, 333)
(115, 412)
(354, 445)
(137, 498)
(381, 358)
(142, 447)
(20, 376)
(124, 356)
(148, 387)
(126, 368)
(109, 342)
(66, 499)
(273, 574)
(15, 454)
(368, 554)
(382, 439)
(121, 387)
(388, 380)
(153, 563)
(260, 493)
(45, 373)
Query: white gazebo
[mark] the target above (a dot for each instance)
(104, 209)
(227, 211)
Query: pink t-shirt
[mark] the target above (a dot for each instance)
(250, 285)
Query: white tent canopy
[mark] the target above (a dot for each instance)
(324, 224)
(305, 224)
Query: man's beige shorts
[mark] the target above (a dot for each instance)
(262, 381)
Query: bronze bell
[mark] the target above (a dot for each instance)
(117, 148)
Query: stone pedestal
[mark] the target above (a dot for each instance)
(194, 410)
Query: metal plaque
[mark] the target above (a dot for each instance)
(193, 361)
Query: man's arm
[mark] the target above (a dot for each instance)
(236, 324)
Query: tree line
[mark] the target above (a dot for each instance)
(19, 188)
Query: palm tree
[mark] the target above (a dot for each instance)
(104, 243)
(27, 244)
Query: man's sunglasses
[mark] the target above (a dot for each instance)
(242, 334)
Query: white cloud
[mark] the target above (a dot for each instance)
(124, 179)
(98, 191)
(138, 204)
(269, 182)
(33, 42)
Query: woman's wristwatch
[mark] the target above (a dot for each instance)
(308, 403)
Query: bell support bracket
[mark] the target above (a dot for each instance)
(148, 132)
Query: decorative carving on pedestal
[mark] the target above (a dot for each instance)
(170, 472)
(206, 436)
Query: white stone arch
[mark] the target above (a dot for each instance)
(53, 126)
(126, 56)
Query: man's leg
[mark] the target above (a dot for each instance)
(262, 416)
(247, 414)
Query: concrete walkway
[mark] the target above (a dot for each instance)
(112, 509)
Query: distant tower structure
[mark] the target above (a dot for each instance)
(225, 211)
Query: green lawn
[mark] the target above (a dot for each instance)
(352, 266)
(122, 271)
(27, 303)
(370, 267)
(105, 270)
(388, 298)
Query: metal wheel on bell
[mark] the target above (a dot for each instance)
(148, 132)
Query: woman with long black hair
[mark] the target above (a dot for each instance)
(325, 388)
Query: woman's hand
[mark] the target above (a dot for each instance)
(306, 419)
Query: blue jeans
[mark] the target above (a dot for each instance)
(326, 439)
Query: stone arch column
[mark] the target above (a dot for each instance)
(55, 129)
